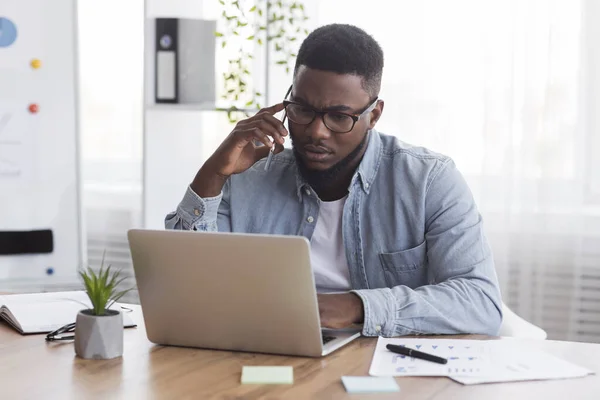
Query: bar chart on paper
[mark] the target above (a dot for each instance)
(463, 358)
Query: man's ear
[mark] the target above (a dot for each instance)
(376, 114)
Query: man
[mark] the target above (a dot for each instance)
(393, 228)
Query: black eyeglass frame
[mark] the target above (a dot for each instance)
(55, 336)
(355, 117)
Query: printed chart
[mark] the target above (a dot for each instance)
(463, 358)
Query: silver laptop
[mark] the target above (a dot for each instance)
(228, 291)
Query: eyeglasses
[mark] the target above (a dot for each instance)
(335, 121)
(57, 335)
(62, 333)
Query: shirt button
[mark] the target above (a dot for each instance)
(366, 185)
(378, 328)
(196, 212)
(308, 192)
(310, 220)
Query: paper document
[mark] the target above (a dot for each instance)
(517, 362)
(473, 361)
(465, 357)
(45, 312)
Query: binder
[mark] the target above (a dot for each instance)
(166, 60)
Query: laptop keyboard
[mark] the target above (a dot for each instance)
(327, 339)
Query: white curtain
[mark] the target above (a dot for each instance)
(499, 85)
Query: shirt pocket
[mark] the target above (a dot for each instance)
(406, 267)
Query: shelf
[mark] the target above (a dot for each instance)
(191, 107)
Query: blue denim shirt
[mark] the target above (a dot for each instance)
(415, 246)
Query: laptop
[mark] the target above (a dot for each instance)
(230, 291)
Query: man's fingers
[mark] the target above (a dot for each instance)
(270, 130)
(271, 110)
(277, 124)
(261, 136)
(260, 153)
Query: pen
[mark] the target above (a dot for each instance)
(269, 158)
(415, 353)
(272, 150)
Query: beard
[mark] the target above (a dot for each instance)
(321, 180)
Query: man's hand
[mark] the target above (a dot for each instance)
(339, 311)
(238, 152)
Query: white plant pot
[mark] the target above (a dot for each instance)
(99, 337)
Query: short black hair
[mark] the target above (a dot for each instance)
(344, 49)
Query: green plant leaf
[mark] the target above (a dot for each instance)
(260, 12)
(259, 41)
(249, 103)
(236, 33)
(251, 37)
(222, 2)
(258, 94)
(223, 44)
(218, 34)
(253, 9)
(281, 62)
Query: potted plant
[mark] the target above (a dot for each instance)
(99, 330)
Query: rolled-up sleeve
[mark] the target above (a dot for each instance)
(195, 213)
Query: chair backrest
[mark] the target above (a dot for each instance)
(515, 326)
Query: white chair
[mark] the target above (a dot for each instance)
(515, 326)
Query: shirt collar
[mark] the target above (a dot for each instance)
(366, 171)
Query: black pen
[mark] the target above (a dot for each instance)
(415, 353)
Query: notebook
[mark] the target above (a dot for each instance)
(45, 312)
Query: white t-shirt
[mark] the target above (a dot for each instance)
(327, 252)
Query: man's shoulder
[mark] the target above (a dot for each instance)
(398, 150)
(409, 162)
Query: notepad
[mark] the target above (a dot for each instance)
(45, 312)
(267, 375)
(370, 384)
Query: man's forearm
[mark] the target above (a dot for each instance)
(460, 305)
(207, 183)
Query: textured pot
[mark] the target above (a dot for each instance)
(99, 337)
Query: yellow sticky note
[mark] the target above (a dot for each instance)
(268, 375)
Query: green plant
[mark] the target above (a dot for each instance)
(102, 287)
(278, 25)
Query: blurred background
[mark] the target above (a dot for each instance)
(510, 89)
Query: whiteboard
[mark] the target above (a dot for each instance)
(39, 179)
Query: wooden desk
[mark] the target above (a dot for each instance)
(30, 368)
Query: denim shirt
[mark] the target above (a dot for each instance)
(414, 240)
